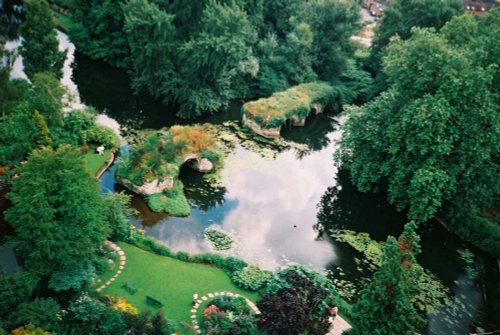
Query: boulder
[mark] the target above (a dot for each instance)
(153, 187)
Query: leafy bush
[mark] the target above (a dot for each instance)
(41, 311)
(218, 238)
(251, 278)
(229, 316)
(75, 277)
(104, 135)
(226, 303)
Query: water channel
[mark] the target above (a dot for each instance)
(270, 199)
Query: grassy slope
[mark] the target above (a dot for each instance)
(94, 161)
(169, 280)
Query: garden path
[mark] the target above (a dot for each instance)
(123, 260)
(339, 326)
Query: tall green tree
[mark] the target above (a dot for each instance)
(19, 135)
(399, 18)
(46, 96)
(402, 15)
(212, 60)
(40, 48)
(57, 212)
(385, 306)
(98, 30)
(332, 23)
(435, 133)
(151, 37)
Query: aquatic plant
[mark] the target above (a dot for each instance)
(218, 238)
(252, 278)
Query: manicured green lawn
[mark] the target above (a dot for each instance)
(94, 161)
(170, 281)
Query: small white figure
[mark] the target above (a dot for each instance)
(100, 150)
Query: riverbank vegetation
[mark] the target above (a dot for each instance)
(203, 54)
(432, 141)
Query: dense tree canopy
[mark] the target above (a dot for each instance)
(40, 49)
(420, 139)
(57, 212)
(203, 54)
(402, 15)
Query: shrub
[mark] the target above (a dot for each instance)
(102, 134)
(120, 304)
(226, 303)
(218, 238)
(75, 277)
(251, 278)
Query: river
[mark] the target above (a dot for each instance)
(270, 200)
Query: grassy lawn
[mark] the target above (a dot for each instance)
(170, 281)
(94, 161)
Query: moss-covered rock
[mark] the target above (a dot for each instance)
(152, 166)
(265, 116)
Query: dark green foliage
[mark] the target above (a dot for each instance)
(98, 30)
(296, 302)
(76, 125)
(399, 18)
(57, 212)
(18, 136)
(203, 54)
(420, 138)
(385, 307)
(74, 278)
(80, 127)
(40, 311)
(119, 211)
(40, 46)
(251, 278)
(44, 139)
(332, 22)
(15, 290)
(45, 96)
(147, 25)
(213, 59)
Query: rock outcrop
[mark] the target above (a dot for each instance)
(153, 187)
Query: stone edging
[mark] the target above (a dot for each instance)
(213, 295)
(105, 166)
(123, 260)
